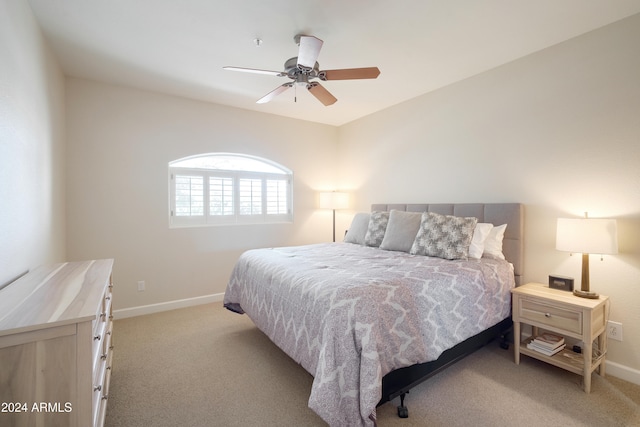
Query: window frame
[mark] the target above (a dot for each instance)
(208, 219)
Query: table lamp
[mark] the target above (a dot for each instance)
(587, 236)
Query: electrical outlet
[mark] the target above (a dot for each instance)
(141, 286)
(614, 330)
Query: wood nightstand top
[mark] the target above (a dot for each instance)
(544, 291)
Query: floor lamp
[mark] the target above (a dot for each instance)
(587, 236)
(333, 200)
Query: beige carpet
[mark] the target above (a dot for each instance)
(206, 366)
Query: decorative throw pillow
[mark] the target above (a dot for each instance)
(477, 242)
(444, 236)
(377, 226)
(401, 230)
(493, 244)
(358, 228)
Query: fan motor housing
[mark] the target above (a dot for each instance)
(293, 71)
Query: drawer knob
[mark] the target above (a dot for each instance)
(547, 315)
(97, 388)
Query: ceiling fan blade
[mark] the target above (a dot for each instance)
(321, 93)
(308, 52)
(350, 74)
(256, 71)
(277, 91)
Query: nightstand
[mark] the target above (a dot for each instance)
(565, 314)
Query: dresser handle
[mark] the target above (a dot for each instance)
(96, 338)
(547, 315)
(97, 388)
(103, 314)
(107, 298)
(105, 397)
(103, 356)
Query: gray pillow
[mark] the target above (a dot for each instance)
(401, 230)
(377, 226)
(444, 236)
(358, 228)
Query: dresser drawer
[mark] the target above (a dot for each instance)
(542, 313)
(102, 357)
(99, 338)
(102, 326)
(101, 383)
(102, 408)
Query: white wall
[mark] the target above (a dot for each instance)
(32, 146)
(120, 141)
(558, 130)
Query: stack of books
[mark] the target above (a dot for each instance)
(547, 343)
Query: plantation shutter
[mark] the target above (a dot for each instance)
(189, 191)
(277, 200)
(250, 190)
(221, 196)
(226, 188)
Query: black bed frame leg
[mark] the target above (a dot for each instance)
(504, 342)
(403, 412)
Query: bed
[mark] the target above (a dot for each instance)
(375, 315)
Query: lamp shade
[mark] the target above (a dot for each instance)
(587, 236)
(333, 200)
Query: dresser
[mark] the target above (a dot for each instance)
(56, 348)
(567, 315)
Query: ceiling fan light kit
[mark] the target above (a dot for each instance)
(304, 67)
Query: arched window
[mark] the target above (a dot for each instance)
(228, 188)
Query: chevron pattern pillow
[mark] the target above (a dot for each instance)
(444, 236)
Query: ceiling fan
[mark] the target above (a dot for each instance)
(304, 68)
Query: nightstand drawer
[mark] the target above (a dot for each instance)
(546, 314)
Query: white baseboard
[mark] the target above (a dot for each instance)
(623, 372)
(166, 306)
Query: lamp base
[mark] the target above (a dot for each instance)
(585, 294)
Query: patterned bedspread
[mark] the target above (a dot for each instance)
(349, 314)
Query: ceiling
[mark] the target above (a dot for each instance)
(179, 47)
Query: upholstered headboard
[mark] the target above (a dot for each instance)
(511, 214)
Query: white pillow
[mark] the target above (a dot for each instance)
(480, 234)
(358, 229)
(493, 244)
